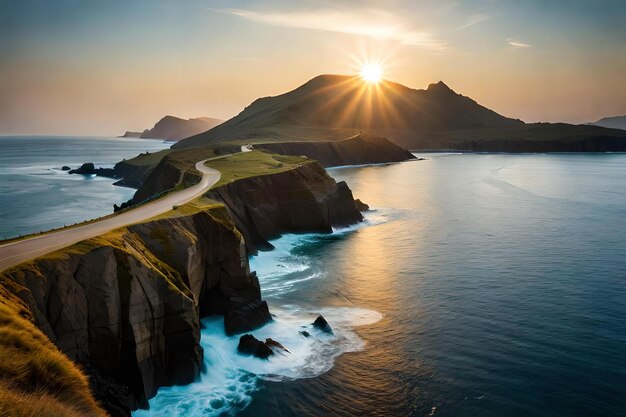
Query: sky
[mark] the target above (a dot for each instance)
(88, 67)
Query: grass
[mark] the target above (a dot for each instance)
(181, 158)
(36, 379)
(252, 164)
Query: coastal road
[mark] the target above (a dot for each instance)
(20, 251)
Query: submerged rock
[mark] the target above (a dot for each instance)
(304, 333)
(321, 324)
(250, 345)
(65, 168)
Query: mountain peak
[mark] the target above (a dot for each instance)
(344, 103)
(439, 87)
(325, 80)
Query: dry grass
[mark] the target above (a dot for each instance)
(252, 164)
(36, 379)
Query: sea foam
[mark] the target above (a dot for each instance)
(229, 379)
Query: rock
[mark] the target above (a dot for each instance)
(65, 168)
(250, 345)
(122, 206)
(246, 316)
(165, 176)
(274, 344)
(361, 206)
(87, 168)
(304, 333)
(321, 324)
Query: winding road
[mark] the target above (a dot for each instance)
(14, 253)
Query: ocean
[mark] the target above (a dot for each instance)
(36, 195)
(478, 285)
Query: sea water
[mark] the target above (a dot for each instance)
(487, 285)
(36, 195)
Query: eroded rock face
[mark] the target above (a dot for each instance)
(130, 310)
(303, 200)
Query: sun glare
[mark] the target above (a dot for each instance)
(372, 73)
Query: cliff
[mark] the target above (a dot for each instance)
(136, 171)
(127, 305)
(294, 201)
(362, 149)
(167, 175)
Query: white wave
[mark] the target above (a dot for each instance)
(229, 379)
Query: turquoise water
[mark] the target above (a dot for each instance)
(36, 195)
(479, 285)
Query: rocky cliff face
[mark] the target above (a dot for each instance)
(303, 200)
(132, 175)
(166, 176)
(127, 305)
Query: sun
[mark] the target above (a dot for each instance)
(372, 73)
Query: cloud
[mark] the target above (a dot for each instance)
(517, 44)
(374, 24)
(474, 19)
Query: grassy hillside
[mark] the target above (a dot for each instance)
(36, 379)
(347, 102)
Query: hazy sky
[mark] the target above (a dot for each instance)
(103, 67)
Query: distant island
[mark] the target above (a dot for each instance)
(615, 122)
(174, 128)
